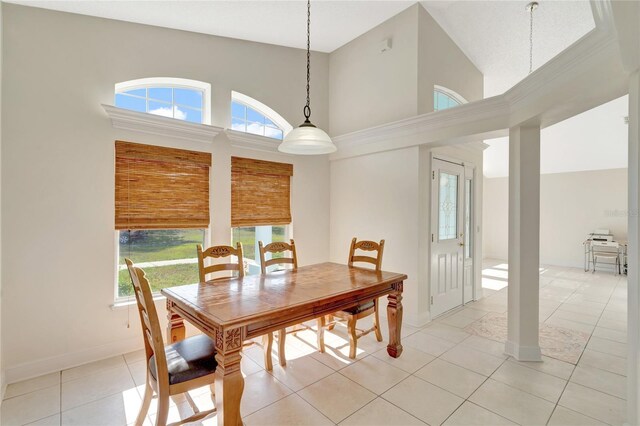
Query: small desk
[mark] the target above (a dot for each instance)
(233, 310)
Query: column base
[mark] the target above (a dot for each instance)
(523, 353)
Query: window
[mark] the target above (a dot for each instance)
(468, 206)
(181, 99)
(448, 205)
(444, 98)
(249, 237)
(248, 120)
(168, 257)
(260, 205)
(161, 213)
(250, 116)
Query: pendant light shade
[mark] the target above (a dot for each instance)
(307, 139)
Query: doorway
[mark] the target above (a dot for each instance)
(452, 224)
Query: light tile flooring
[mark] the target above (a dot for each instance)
(444, 376)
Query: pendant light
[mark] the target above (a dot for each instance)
(307, 139)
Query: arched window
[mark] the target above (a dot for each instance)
(444, 98)
(251, 116)
(178, 98)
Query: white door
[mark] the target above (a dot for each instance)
(467, 237)
(447, 247)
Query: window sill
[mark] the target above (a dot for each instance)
(251, 141)
(127, 303)
(162, 126)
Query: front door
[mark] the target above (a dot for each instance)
(447, 247)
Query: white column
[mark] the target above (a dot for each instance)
(524, 243)
(633, 255)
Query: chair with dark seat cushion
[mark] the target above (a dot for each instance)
(174, 369)
(188, 359)
(363, 309)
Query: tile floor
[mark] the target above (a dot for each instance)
(444, 376)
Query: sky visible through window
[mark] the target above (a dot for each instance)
(248, 120)
(173, 102)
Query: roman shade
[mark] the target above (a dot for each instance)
(161, 188)
(260, 192)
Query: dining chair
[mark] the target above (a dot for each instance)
(173, 369)
(352, 315)
(217, 252)
(277, 248)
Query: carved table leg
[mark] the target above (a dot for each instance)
(394, 315)
(229, 381)
(175, 326)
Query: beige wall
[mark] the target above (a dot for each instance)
(3, 384)
(58, 234)
(367, 87)
(442, 63)
(375, 197)
(386, 195)
(571, 206)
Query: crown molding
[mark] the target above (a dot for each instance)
(452, 125)
(251, 141)
(161, 126)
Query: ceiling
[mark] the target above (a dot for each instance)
(282, 22)
(594, 140)
(493, 34)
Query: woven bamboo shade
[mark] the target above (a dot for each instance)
(161, 188)
(260, 192)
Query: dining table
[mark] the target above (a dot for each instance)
(235, 309)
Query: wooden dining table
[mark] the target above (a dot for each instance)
(233, 310)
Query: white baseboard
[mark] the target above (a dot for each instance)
(420, 320)
(39, 367)
(523, 353)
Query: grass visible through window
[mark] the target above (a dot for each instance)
(168, 257)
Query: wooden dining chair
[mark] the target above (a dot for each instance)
(173, 369)
(352, 315)
(217, 252)
(277, 248)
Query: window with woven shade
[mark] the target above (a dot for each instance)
(161, 188)
(260, 192)
(161, 213)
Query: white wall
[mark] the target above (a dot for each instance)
(441, 62)
(58, 235)
(571, 205)
(3, 383)
(386, 195)
(375, 197)
(368, 87)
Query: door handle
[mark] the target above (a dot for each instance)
(461, 244)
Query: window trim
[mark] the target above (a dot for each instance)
(173, 82)
(263, 109)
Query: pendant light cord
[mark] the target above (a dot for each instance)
(307, 108)
(531, 7)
